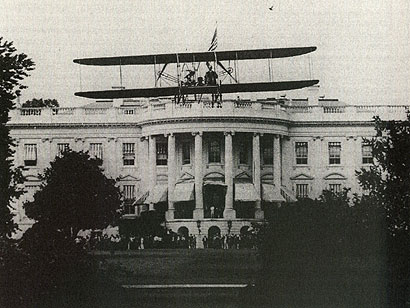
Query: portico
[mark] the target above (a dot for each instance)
(217, 158)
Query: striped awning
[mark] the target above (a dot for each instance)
(246, 192)
(141, 198)
(183, 192)
(158, 194)
(271, 194)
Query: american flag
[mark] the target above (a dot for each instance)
(214, 42)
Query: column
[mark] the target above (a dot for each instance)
(256, 174)
(171, 175)
(143, 163)
(229, 212)
(199, 201)
(277, 165)
(110, 156)
(143, 172)
(152, 157)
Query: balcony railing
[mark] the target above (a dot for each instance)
(163, 109)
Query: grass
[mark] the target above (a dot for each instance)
(181, 266)
(339, 281)
(326, 281)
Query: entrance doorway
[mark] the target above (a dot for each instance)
(244, 230)
(183, 231)
(214, 237)
(214, 200)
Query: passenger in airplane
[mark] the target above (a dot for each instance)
(211, 77)
(200, 81)
(189, 79)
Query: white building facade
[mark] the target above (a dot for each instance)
(209, 169)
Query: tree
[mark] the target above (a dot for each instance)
(36, 103)
(48, 268)
(75, 195)
(316, 253)
(14, 67)
(386, 182)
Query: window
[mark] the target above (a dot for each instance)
(129, 192)
(302, 190)
(267, 152)
(335, 149)
(30, 155)
(128, 154)
(62, 147)
(186, 153)
(336, 188)
(96, 150)
(214, 152)
(367, 155)
(162, 154)
(243, 153)
(129, 197)
(301, 149)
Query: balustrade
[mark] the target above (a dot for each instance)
(95, 111)
(244, 108)
(158, 106)
(30, 111)
(243, 104)
(333, 109)
(62, 111)
(183, 105)
(300, 109)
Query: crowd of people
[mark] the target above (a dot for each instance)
(170, 240)
(231, 241)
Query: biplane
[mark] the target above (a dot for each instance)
(187, 80)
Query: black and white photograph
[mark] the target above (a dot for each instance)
(213, 153)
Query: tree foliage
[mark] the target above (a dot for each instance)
(387, 183)
(314, 253)
(388, 179)
(37, 103)
(48, 268)
(75, 195)
(14, 67)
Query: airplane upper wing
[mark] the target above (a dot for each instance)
(198, 56)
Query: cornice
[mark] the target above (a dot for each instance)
(217, 119)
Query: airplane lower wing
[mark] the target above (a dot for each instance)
(224, 88)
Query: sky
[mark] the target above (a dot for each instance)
(362, 57)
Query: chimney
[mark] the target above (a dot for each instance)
(313, 95)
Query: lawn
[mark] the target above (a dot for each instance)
(326, 281)
(339, 282)
(183, 266)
